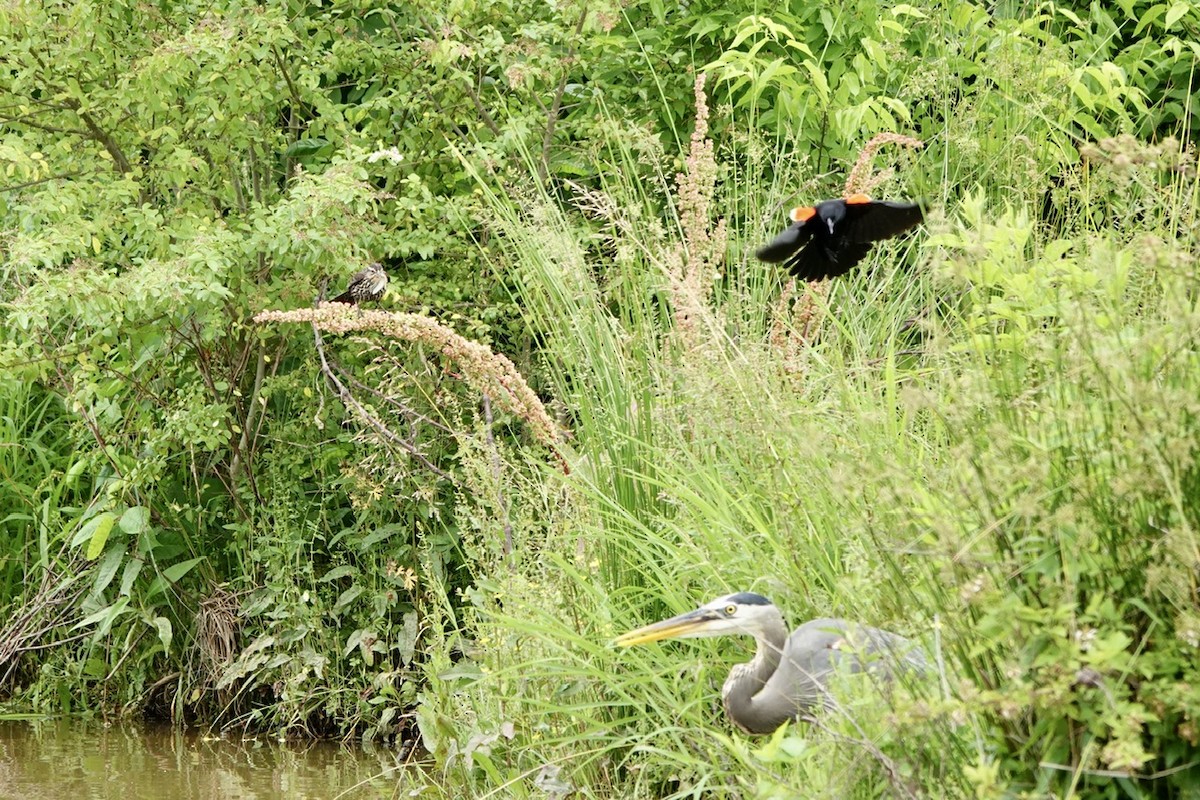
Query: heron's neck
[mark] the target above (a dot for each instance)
(746, 681)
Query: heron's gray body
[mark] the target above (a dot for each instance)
(789, 675)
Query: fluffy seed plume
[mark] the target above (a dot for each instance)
(795, 321)
(694, 266)
(859, 180)
(489, 373)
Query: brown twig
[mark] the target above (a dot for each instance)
(556, 106)
(404, 410)
(252, 408)
(373, 421)
(104, 138)
(27, 184)
(890, 768)
(52, 601)
(496, 475)
(472, 91)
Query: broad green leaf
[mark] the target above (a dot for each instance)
(176, 571)
(378, 535)
(133, 568)
(95, 531)
(1069, 14)
(343, 571)
(170, 575)
(107, 568)
(347, 597)
(105, 617)
(306, 148)
(1177, 12)
(163, 626)
(135, 520)
(1150, 17)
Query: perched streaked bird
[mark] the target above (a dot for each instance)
(789, 675)
(368, 284)
(827, 239)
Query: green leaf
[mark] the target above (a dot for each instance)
(107, 569)
(306, 148)
(95, 668)
(1150, 17)
(95, 531)
(176, 571)
(163, 626)
(406, 643)
(347, 597)
(1177, 12)
(378, 535)
(135, 520)
(170, 575)
(105, 617)
(344, 571)
(132, 568)
(1066, 12)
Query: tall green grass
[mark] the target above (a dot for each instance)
(1010, 479)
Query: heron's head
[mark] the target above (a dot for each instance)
(743, 613)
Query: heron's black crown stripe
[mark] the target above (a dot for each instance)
(749, 599)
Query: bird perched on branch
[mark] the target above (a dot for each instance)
(827, 239)
(789, 675)
(367, 284)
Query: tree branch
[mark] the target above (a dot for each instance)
(27, 184)
(556, 106)
(252, 409)
(104, 138)
(369, 418)
(472, 91)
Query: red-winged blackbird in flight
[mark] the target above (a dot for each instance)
(827, 239)
(365, 285)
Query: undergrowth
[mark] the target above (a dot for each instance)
(583, 404)
(985, 440)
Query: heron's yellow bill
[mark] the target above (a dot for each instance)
(672, 628)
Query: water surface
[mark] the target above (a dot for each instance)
(83, 760)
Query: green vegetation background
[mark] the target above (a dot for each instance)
(985, 439)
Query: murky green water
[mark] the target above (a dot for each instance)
(78, 760)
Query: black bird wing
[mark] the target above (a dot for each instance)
(827, 259)
(878, 219)
(785, 245)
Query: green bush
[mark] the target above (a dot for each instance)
(984, 439)
(1017, 491)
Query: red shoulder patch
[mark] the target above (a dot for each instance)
(857, 199)
(802, 213)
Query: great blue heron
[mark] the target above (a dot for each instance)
(789, 675)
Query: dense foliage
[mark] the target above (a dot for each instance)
(596, 406)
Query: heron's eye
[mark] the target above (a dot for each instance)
(730, 610)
